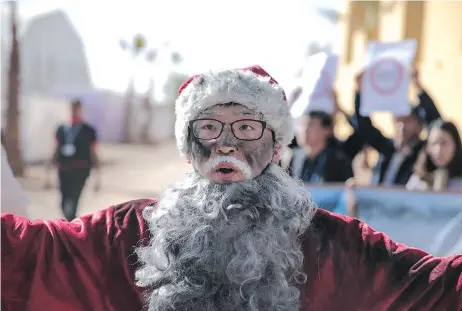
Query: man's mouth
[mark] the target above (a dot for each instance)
(226, 170)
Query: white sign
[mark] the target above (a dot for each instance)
(317, 82)
(385, 81)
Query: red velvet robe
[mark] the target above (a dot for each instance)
(88, 264)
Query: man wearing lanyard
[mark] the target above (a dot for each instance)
(318, 159)
(74, 157)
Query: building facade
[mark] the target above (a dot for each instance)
(437, 27)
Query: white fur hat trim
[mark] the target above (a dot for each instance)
(251, 87)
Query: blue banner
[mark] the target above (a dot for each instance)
(431, 221)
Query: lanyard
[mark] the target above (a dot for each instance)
(316, 176)
(70, 133)
(298, 163)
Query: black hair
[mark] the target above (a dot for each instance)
(455, 165)
(324, 117)
(76, 103)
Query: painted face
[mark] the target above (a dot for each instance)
(227, 159)
(440, 147)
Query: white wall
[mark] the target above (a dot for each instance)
(52, 56)
(105, 110)
(40, 117)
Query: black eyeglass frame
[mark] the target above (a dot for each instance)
(263, 123)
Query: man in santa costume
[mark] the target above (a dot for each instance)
(236, 234)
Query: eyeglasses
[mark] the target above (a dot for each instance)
(246, 129)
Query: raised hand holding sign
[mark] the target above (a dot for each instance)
(317, 83)
(385, 83)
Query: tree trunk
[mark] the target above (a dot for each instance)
(127, 137)
(12, 129)
(149, 110)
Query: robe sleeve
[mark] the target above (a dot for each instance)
(71, 264)
(357, 268)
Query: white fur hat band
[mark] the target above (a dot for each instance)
(252, 87)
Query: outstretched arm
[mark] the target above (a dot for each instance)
(53, 161)
(406, 278)
(71, 265)
(44, 257)
(369, 133)
(365, 133)
(362, 269)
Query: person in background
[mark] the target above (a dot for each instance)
(397, 155)
(439, 166)
(315, 161)
(75, 156)
(319, 156)
(13, 198)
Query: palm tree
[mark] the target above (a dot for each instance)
(331, 15)
(371, 12)
(12, 129)
(177, 58)
(134, 48)
(151, 56)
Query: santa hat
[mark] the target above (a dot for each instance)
(252, 87)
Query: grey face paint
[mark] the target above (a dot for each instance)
(257, 154)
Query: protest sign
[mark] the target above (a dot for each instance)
(385, 82)
(317, 82)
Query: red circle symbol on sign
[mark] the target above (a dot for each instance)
(322, 86)
(386, 76)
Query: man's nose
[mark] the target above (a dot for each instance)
(226, 143)
(224, 149)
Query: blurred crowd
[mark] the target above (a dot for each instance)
(424, 154)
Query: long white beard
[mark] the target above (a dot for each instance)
(227, 247)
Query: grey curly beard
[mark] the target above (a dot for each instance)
(227, 246)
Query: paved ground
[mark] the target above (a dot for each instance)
(130, 172)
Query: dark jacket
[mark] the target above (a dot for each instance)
(349, 147)
(339, 157)
(330, 166)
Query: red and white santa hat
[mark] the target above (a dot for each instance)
(252, 87)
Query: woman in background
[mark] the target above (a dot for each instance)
(439, 166)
